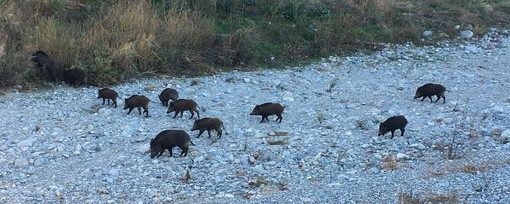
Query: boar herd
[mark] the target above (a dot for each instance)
(399, 122)
(168, 139)
(73, 77)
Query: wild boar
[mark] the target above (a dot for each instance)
(391, 124)
(168, 94)
(181, 105)
(428, 90)
(108, 94)
(208, 124)
(42, 60)
(168, 139)
(75, 77)
(137, 101)
(268, 109)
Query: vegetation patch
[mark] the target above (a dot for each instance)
(117, 40)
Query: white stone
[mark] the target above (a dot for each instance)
(21, 162)
(144, 148)
(466, 34)
(471, 49)
(26, 144)
(427, 33)
(506, 133)
(401, 156)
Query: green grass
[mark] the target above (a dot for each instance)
(117, 40)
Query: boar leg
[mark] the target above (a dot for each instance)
(192, 114)
(181, 114)
(430, 97)
(161, 152)
(139, 111)
(438, 97)
(279, 117)
(103, 101)
(175, 114)
(146, 111)
(392, 134)
(200, 133)
(402, 130)
(444, 98)
(130, 109)
(114, 102)
(209, 133)
(262, 119)
(195, 110)
(218, 130)
(170, 150)
(423, 98)
(184, 152)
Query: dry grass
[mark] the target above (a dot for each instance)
(475, 169)
(114, 40)
(409, 198)
(389, 163)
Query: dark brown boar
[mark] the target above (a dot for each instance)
(268, 109)
(108, 94)
(137, 101)
(168, 94)
(168, 139)
(42, 60)
(181, 105)
(391, 124)
(75, 77)
(208, 124)
(429, 90)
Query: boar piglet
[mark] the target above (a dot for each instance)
(168, 94)
(108, 94)
(208, 124)
(76, 77)
(391, 124)
(429, 90)
(168, 139)
(42, 60)
(181, 105)
(268, 109)
(137, 101)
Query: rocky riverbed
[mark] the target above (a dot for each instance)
(63, 146)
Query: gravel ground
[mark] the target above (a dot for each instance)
(63, 146)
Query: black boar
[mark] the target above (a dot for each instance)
(168, 139)
(137, 101)
(75, 77)
(108, 94)
(42, 60)
(181, 105)
(168, 94)
(268, 109)
(391, 124)
(208, 124)
(428, 90)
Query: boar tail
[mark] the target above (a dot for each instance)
(191, 142)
